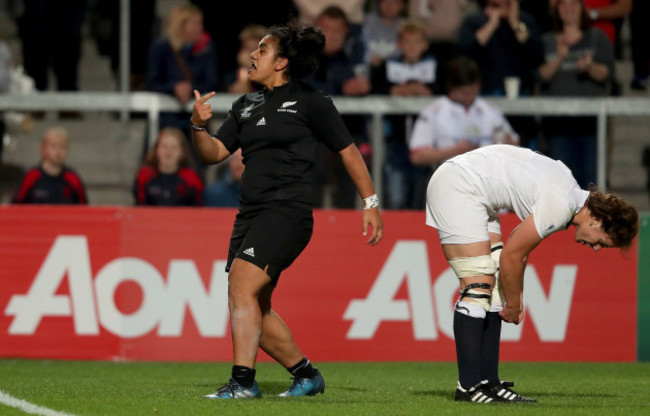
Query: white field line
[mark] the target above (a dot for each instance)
(28, 407)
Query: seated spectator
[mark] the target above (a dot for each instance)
(579, 62)
(609, 15)
(380, 29)
(166, 179)
(460, 121)
(505, 42)
(413, 74)
(355, 44)
(249, 39)
(225, 191)
(52, 182)
(335, 75)
(182, 61)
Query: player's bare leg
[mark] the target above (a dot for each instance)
(245, 284)
(278, 342)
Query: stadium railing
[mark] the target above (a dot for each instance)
(376, 107)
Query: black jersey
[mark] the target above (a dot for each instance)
(279, 131)
(38, 187)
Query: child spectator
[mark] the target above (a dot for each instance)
(166, 179)
(52, 182)
(412, 74)
(249, 39)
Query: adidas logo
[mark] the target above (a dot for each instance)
(262, 122)
(250, 251)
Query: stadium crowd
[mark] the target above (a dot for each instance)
(387, 47)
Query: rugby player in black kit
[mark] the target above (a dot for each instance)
(278, 130)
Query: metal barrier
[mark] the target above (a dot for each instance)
(374, 106)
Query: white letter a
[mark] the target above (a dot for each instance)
(409, 261)
(68, 255)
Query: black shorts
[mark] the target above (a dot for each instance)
(271, 236)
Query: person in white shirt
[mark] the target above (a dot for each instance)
(464, 197)
(460, 121)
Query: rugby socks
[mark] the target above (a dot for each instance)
(468, 332)
(245, 376)
(490, 350)
(303, 369)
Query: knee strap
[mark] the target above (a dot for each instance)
(483, 299)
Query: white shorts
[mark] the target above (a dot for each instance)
(456, 208)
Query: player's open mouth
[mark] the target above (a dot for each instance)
(252, 67)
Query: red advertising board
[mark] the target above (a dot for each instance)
(149, 284)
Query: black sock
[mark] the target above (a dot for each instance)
(490, 350)
(303, 369)
(243, 375)
(468, 333)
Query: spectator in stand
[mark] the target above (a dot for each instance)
(52, 182)
(51, 38)
(336, 76)
(237, 82)
(609, 15)
(184, 60)
(505, 43)
(225, 191)
(380, 29)
(640, 33)
(460, 121)
(355, 45)
(166, 178)
(579, 62)
(412, 74)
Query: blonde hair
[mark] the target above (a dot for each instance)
(412, 26)
(176, 20)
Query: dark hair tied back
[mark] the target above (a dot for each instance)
(301, 46)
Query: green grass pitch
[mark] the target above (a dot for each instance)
(144, 388)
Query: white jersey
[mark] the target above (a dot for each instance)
(526, 182)
(444, 123)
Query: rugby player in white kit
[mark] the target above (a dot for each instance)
(464, 197)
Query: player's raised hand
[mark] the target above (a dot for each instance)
(201, 111)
